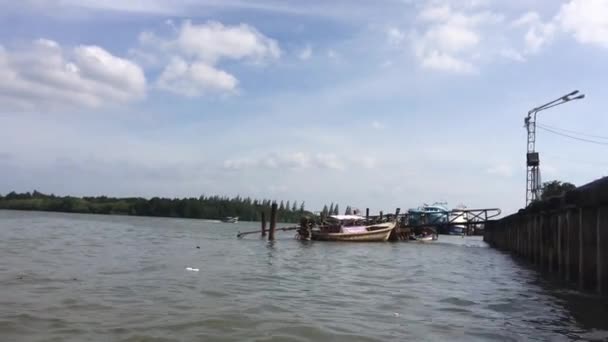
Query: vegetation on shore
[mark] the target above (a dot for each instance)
(555, 189)
(203, 207)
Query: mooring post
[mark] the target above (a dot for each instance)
(263, 224)
(581, 255)
(367, 215)
(381, 215)
(273, 221)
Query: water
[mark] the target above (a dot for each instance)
(107, 278)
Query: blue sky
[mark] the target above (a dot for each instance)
(378, 104)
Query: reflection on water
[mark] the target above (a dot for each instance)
(99, 278)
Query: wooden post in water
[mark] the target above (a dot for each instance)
(263, 224)
(273, 221)
(381, 215)
(393, 236)
(367, 215)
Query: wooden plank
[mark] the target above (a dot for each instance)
(568, 242)
(604, 245)
(541, 242)
(581, 248)
(560, 265)
(598, 257)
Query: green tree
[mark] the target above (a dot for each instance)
(207, 207)
(294, 207)
(349, 210)
(555, 189)
(325, 211)
(336, 210)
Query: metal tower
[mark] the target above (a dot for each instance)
(533, 181)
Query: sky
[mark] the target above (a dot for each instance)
(373, 104)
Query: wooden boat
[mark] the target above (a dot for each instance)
(374, 233)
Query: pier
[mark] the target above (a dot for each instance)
(474, 220)
(566, 236)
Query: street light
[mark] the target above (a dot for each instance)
(532, 157)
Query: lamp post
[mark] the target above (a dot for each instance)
(533, 183)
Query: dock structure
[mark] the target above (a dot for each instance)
(473, 219)
(567, 235)
(405, 229)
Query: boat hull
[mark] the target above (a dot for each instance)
(425, 239)
(380, 234)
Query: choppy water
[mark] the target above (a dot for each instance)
(101, 278)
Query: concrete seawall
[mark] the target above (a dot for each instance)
(566, 235)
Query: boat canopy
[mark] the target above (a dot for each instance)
(347, 217)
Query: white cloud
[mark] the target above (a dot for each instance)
(377, 125)
(292, 160)
(306, 53)
(193, 79)
(212, 41)
(445, 62)
(44, 75)
(451, 38)
(587, 20)
(502, 170)
(332, 54)
(395, 36)
(512, 54)
(459, 37)
(193, 51)
(538, 33)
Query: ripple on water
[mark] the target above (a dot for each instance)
(131, 286)
(457, 301)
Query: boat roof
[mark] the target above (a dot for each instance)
(347, 217)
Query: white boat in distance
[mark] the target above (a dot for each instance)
(230, 219)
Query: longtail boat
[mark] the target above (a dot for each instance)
(349, 228)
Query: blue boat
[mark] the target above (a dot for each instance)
(450, 222)
(434, 214)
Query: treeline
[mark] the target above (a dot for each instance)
(203, 207)
(335, 210)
